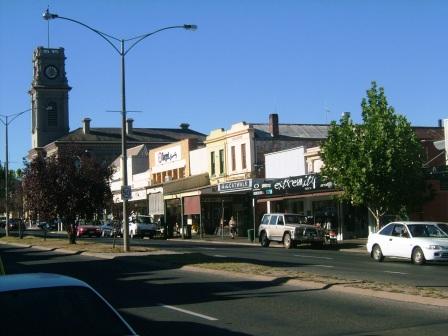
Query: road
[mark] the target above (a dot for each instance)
(166, 300)
(347, 265)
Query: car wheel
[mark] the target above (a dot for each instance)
(264, 240)
(418, 257)
(287, 242)
(377, 254)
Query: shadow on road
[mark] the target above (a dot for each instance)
(135, 283)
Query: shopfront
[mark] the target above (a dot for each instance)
(311, 196)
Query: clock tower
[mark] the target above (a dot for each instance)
(49, 96)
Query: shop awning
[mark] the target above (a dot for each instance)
(328, 193)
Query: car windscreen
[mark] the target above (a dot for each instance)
(443, 227)
(144, 220)
(426, 231)
(58, 311)
(295, 219)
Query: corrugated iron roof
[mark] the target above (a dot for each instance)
(305, 131)
(138, 135)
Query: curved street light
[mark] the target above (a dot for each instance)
(122, 51)
(4, 119)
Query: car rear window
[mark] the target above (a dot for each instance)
(58, 311)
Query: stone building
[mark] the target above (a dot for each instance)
(50, 117)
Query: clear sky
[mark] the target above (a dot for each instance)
(307, 60)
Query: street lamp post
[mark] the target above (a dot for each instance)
(6, 121)
(122, 51)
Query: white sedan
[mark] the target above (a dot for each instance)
(63, 306)
(418, 241)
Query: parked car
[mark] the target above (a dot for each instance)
(88, 230)
(418, 241)
(14, 223)
(109, 229)
(49, 226)
(290, 229)
(62, 306)
(141, 226)
(443, 227)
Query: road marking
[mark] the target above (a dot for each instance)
(326, 266)
(190, 312)
(396, 272)
(219, 256)
(306, 256)
(208, 248)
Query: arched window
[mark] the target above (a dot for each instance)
(52, 114)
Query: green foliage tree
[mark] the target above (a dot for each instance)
(14, 191)
(70, 185)
(377, 163)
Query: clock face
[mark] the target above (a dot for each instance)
(51, 72)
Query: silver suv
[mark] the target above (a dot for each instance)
(289, 229)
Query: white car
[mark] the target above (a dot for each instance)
(63, 306)
(418, 241)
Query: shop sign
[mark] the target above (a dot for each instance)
(289, 185)
(235, 186)
(168, 155)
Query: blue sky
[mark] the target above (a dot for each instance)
(307, 60)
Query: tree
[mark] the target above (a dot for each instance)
(14, 190)
(70, 185)
(377, 163)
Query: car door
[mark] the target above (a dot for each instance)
(280, 227)
(399, 243)
(382, 238)
(273, 227)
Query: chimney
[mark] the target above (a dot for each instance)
(86, 125)
(440, 123)
(184, 126)
(273, 124)
(129, 127)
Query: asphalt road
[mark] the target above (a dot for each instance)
(159, 299)
(347, 265)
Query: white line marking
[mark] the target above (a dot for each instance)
(219, 256)
(396, 272)
(208, 248)
(326, 266)
(306, 256)
(190, 312)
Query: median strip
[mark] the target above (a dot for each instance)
(254, 268)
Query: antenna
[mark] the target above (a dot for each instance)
(48, 28)
(327, 112)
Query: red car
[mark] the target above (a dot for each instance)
(88, 230)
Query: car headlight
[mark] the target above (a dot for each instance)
(434, 247)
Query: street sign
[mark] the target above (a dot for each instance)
(126, 193)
